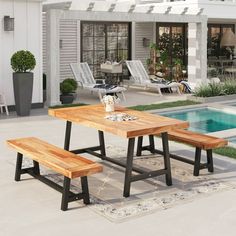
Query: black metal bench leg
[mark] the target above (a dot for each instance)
(152, 144)
(67, 136)
(210, 165)
(65, 194)
(36, 168)
(166, 155)
(18, 166)
(139, 146)
(102, 143)
(197, 162)
(129, 166)
(85, 189)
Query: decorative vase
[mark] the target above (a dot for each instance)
(23, 87)
(109, 107)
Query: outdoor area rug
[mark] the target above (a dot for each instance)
(152, 195)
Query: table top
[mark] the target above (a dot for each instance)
(94, 116)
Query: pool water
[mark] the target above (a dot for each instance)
(205, 120)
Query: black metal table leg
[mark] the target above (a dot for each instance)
(85, 189)
(102, 143)
(210, 161)
(139, 146)
(166, 158)
(129, 165)
(197, 162)
(152, 144)
(36, 168)
(65, 193)
(67, 135)
(18, 166)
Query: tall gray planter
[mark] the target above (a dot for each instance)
(23, 87)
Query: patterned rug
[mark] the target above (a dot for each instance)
(147, 196)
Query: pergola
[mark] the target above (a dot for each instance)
(123, 12)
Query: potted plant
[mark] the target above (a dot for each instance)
(68, 87)
(22, 63)
(152, 61)
(163, 63)
(178, 74)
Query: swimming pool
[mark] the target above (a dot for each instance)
(205, 120)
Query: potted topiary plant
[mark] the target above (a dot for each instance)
(68, 87)
(22, 62)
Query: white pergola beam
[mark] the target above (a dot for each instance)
(168, 9)
(184, 11)
(132, 8)
(90, 6)
(134, 17)
(200, 11)
(123, 7)
(150, 10)
(112, 7)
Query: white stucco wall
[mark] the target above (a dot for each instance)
(27, 36)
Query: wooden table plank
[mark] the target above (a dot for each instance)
(94, 116)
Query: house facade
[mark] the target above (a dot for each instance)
(24, 34)
(77, 31)
(117, 30)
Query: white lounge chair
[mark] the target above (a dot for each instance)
(85, 79)
(3, 104)
(141, 77)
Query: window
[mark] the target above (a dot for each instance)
(104, 41)
(215, 32)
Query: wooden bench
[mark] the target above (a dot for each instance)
(59, 160)
(201, 142)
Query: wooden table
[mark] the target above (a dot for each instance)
(145, 124)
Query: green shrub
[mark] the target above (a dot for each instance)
(210, 90)
(216, 89)
(23, 61)
(68, 86)
(230, 87)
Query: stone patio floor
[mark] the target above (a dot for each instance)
(31, 208)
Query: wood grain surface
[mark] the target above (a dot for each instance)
(196, 139)
(57, 159)
(94, 116)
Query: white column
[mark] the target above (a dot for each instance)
(53, 57)
(202, 50)
(192, 50)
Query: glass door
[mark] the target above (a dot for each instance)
(172, 43)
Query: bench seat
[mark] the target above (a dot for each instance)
(200, 142)
(59, 160)
(197, 140)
